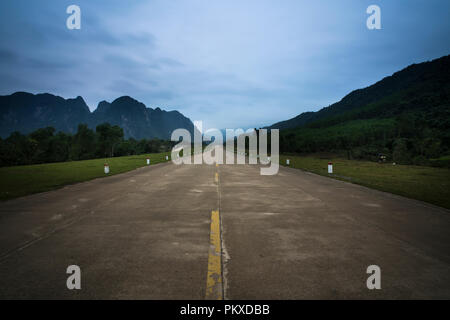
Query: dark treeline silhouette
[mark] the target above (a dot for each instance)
(46, 145)
(405, 140)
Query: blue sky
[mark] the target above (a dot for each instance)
(229, 63)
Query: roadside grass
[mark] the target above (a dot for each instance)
(18, 181)
(428, 184)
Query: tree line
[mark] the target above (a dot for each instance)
(46, 145)
(406, 139)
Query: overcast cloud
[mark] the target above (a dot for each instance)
(229, 63)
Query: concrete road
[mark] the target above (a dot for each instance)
(148, 234)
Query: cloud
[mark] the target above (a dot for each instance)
(7, 56)
(230, 63)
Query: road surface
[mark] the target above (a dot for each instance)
(154, 233)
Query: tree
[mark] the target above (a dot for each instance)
(18, 149)
(108, 138)
(43, 138)
(400, 153)
(84, 143)
(43, 145)
(59, 147)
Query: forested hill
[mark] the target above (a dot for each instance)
(25, 112)
(405, 116)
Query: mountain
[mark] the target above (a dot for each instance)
(297, 121)
(403, 91)
(26, 112)
(405, 116)
(138, 121)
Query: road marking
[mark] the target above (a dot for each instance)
(216, 178)
(214, 286)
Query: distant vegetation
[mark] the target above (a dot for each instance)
(45, 145)
(405, 117)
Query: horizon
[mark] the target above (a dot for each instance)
(163, 108)
(248, 75)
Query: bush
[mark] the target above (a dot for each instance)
(421, 161)
(400, 153)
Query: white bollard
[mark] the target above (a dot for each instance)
(287, 161)
(167, 158)
(106, 168)
(268, 158)
(330, 167)
(148, 161)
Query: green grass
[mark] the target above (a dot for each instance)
(22, 180)
(422, 183)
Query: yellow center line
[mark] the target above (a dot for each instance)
(214, 278)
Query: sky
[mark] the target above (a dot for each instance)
(228, 63)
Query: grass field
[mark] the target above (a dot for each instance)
(22, 180)
(422, 183)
